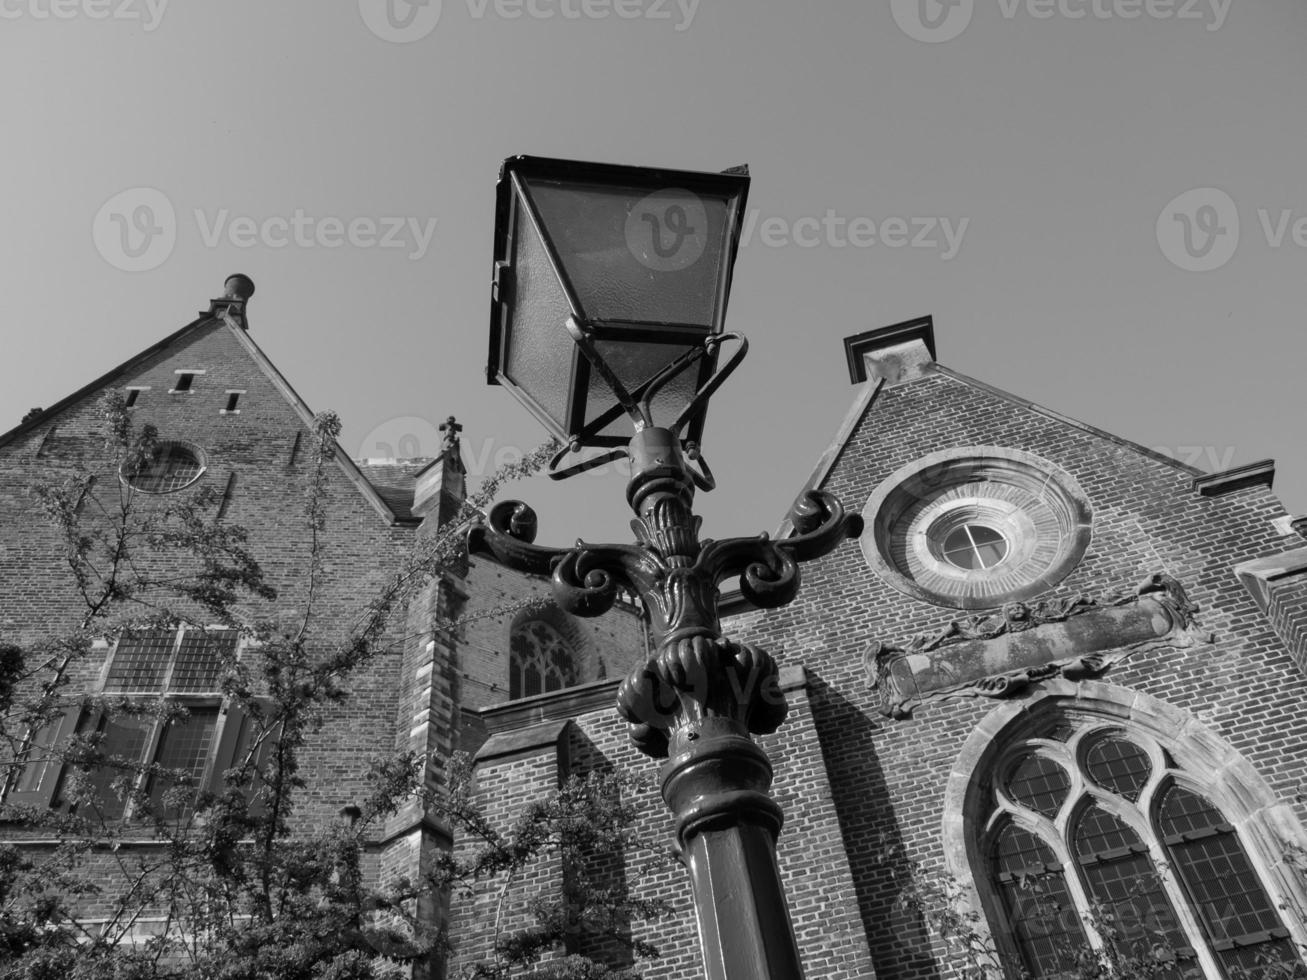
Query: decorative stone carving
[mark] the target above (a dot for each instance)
(1001, 654)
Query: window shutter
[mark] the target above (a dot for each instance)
(237, 732)
(34, 784)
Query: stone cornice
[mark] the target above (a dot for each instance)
(571, 702)
(1259, 575)
(524, 741)
(1259, 474)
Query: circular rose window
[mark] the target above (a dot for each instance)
(977, 527)
(172, 466)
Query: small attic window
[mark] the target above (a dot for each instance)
(185, 382)
(132, 395)
(233, 399)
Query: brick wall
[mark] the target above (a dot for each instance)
(888, 777)
(864, 794)
(266, 449)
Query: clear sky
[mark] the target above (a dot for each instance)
(1039, 153)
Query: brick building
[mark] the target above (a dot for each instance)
(1059, 680)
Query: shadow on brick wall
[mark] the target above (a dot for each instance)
(600, 870)
(898, 937)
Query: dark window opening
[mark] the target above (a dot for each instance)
(184, 381)
(232, 398)
(132, 395)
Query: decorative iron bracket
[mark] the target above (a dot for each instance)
(695, 674)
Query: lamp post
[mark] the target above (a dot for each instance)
(607, 319)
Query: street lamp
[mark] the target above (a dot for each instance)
(607, 320)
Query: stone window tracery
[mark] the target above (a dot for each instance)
(1092, 836)
(540, 660)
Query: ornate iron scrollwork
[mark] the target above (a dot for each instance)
(694, 674)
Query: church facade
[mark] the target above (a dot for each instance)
(1051, 700)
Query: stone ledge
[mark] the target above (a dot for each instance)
(1259, 575)
(568, 703)
(1259, 474)
(523, 741)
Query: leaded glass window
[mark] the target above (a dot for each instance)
(1236, 914)
(183, 667)
(540, 660)
(1101, 855)
(1034, 891)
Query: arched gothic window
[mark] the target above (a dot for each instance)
(1094, 839)
(540, 660)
